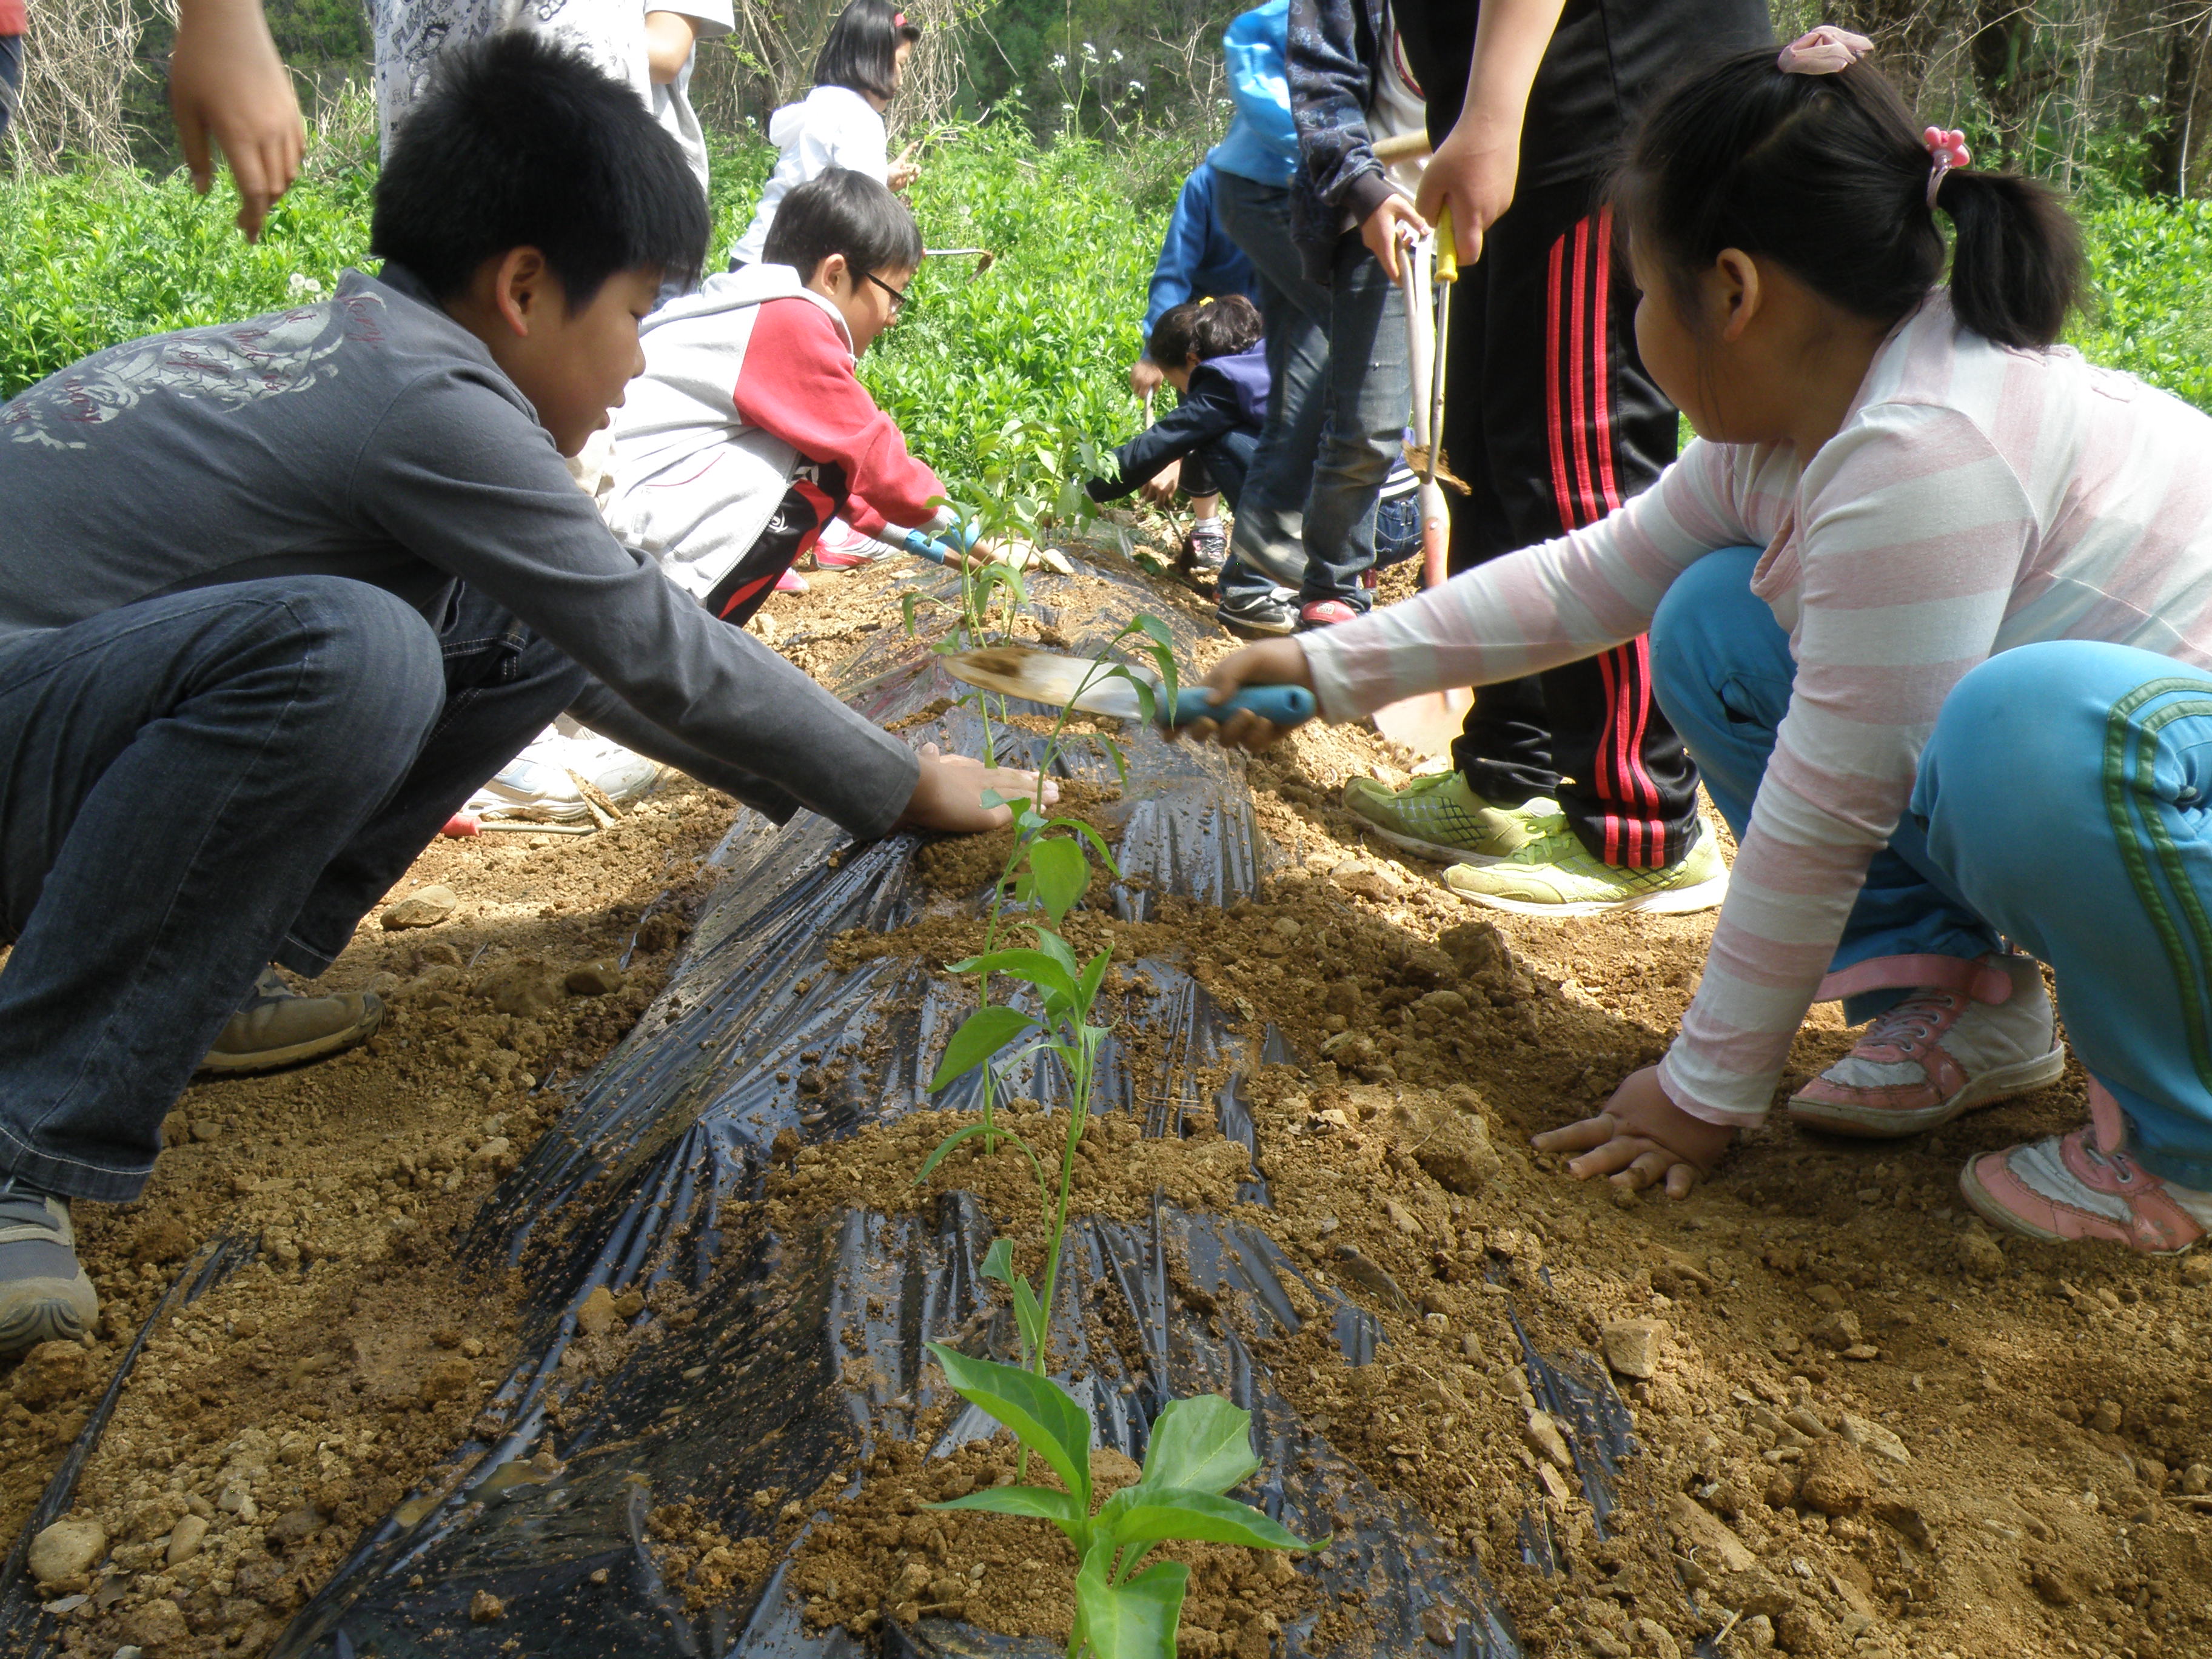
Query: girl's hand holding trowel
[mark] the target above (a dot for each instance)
(1271, 662)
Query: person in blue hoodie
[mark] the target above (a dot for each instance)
(1211, 352)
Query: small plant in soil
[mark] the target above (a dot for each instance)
(1201, 1447)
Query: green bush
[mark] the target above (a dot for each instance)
(1040, 343)
(2152, 311)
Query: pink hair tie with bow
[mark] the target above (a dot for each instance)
(1947, 150)
(1827, 50)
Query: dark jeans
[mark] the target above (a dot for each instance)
(1268, 547)
(1550, 418)
(193, 786)
(1223, 467)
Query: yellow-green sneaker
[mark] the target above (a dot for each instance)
(1557, 876)
(1440, 817)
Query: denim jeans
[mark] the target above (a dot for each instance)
(2064, 802)
(1223, 467)
(1365, 429)
(1268, 547)
(199, 784)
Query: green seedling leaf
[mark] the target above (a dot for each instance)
(907, 603)
(1037, 1409)
(1121, 768)
(1136, 1619)
(1094, 975)
(1029, 1314)
(1155, 1514)
(1056, 947)
(1098, 841)
(1039, 1502)
(1153, 628)
(1062, 873)
(981, 1034)
(1202, 1444)
(1034, 967)
(992, 798)
(1147, 694)
(999, 1260)
(1029, 820)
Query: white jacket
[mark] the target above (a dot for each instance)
(832, 127)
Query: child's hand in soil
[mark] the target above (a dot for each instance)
(1641, 1139)
(949, 794)
(1271, 662)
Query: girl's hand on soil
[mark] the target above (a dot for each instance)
(1271, 662)
(1641, 1139)
(1160, 488)
(948, 795)
(1393, 223)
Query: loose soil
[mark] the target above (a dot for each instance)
(1868, 1425)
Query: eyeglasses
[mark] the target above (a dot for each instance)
(898, 295)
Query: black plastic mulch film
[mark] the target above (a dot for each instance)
(806, 1351)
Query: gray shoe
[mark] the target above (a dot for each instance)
(275, 1026)
(44, 1294)
(1274, 613)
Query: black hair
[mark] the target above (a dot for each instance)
(841, 211)
(1827, 176)
(1219, 327)
(520, 142)
(861, 48)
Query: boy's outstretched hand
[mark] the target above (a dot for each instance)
(948, 796)
(1640, 1140)
(227, 84)
(1271, 662)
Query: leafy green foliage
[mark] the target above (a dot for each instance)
(1200, 1447)
(2152, 311)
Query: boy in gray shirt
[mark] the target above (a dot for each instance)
(277, 598)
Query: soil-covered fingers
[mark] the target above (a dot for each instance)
(949, 795)
(1642, 1139)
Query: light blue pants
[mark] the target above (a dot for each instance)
(2061, 804)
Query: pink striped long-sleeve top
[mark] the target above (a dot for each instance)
(1975, 498)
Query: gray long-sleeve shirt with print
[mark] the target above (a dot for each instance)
(371, 437)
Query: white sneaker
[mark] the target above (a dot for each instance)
(539, 784)
(1943, 1051)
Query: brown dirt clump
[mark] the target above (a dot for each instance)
(964, 866)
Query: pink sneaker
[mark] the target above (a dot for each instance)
(1971, 1034)
(791, 582)
(843, 548)
(2085, 1186)
(1326, 613)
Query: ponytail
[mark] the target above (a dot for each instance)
(1826, 174)
(2015, 257)
(1219, 327)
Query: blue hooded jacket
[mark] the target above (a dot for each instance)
(1262, 142)
(1197, 259)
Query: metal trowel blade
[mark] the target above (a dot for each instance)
(1057, 682)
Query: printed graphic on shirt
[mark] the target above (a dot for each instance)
(238, 364)
(410, 35)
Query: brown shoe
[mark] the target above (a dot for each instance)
(274, 1026)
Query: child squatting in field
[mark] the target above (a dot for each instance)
(748, 432)
(1209, 351)
(1930, 603)
(279, 596)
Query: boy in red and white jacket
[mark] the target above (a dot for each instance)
(748, 430)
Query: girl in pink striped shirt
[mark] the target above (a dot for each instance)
(1930, 603)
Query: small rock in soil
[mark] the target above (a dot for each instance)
(1874, 1439)
(448, 1379)
(595, 1314)
(525, 988)
(65, 1551)
(1631, 1346)
(1438, 1625)
(485, 1608)
(1364, 880)
(161, 1240)
(2054, 1583)
(1979, 1256)
(1835, 1479)
(1722, 1550)
(594, 979)
(185, 1538)
(1544, 1438)
(1447, 1136)
(426, 907)
(1838, 1330)
(1802, 1630)
(1654, 1638)
(2106, 1419)
(51, 1372)
(156, 1624)
(2197, 1270)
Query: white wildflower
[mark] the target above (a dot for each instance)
(1136, 89)
(1117, 54)
(1059, 63)
(302, 284)
(1090, 51)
